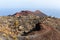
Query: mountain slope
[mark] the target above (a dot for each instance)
(37, 13)
(28, 25)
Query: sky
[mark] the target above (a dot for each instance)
(49, 7)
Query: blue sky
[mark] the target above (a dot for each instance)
(50, 7)
(29, 3)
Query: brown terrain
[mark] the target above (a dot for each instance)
(49, 33)
(42, 31)
(37, 13)
(28, 25)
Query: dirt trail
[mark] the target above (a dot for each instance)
(49, 34)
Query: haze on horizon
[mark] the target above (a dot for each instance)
(49, 7)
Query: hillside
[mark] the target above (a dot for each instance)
(28, 25)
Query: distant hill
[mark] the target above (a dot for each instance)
(37, 13)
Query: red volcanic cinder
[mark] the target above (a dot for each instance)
(25, 13)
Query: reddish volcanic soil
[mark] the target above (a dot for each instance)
(25, 13)
(45, 33)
